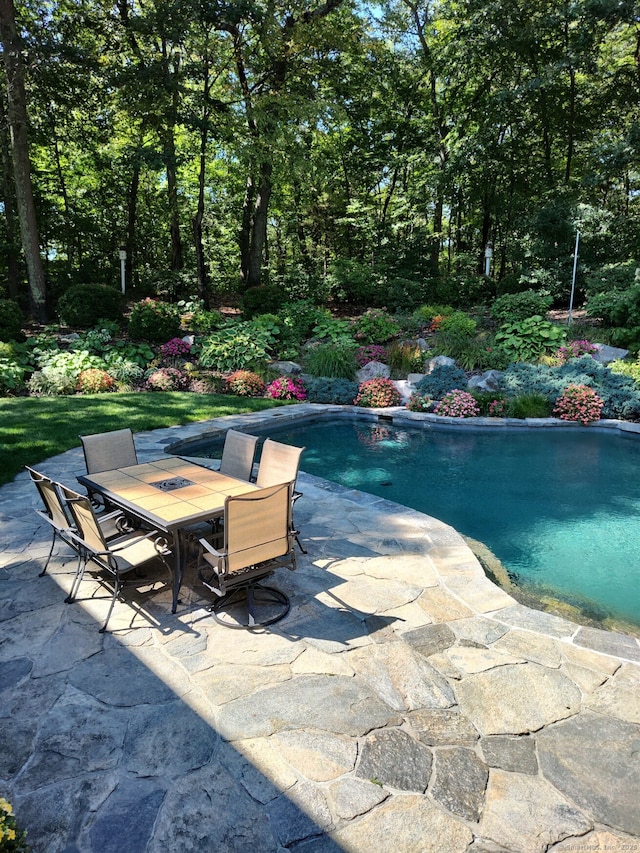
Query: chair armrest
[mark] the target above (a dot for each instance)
(207, 546)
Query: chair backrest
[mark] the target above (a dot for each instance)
(86, 522)
(279, 463)
(238, 454)
(48, 492)
(105, 451)
(256, 526)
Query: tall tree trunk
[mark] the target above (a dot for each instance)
(244, 232)
(258, 245)
(132, 207)
(17, 116)
(203, 288)
(8, 195)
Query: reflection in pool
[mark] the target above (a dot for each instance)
(559, 508)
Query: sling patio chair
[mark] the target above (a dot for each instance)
(111, 559)
(279, 463)
(238, 453)
(105, 451)
(57, 515)
(257, 540)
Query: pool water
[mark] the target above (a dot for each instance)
(559, 508)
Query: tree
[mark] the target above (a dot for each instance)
(18, 124)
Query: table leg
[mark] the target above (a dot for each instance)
(179, 558)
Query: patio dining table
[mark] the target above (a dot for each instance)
(170, 495)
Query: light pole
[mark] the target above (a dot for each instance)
(123, 259)
(488, 252)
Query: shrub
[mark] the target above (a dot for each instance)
(325, 390)
(10, 321)
(332, 330)
(375, 326)
(352, 282)
(154, 321)
(139, 353)
(12, 838)
(266, 299)
(528, 339)
(125, 372)
(406, 357)
(377, 393)
(244, 383)
(335, 361)
(419, 402)
(579, 403)
(297, 319)
(518, 306)
(167, 379)
(534, 405)
(94, 381)
(458, 404)
(11, 376)
(286, 388)
(627, 368)
(370, 352)
(83, 305)
(428, 312)
(175, 348)
(491, 404)
(52, 381)
(443, 378)
(459, 323)
(237, 346)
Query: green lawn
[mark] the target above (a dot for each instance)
(35, 428)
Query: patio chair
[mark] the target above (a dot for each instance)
(111, 559)
(238, 454)
(257, 540)
(104, 451)
(56, 514)
(279, 463)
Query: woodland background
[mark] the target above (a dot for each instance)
(362, 154)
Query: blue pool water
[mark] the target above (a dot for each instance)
(559, 508)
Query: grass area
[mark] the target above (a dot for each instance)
(35, 428)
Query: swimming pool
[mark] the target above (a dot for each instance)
(558, 507)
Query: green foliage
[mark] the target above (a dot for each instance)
(533, 405)
(82, 305)
(375, 326)
(52, 382)
(267, 299)
(268, 328)
(512, 307)
(491, 404)
(296, 321)
(139, 353)
(443, 378)
(123, 370)
(627, 368)
(337, 332)
(237, 346)
(611, 277)
(196, 318)
(154, 321)
(325, 390)
(528, 339)
(428, 312)
(72, 361)
(10, 321)
(335, 361)
(352, 283)
(377, 393)
(405, 357)
(617, 308)
(419, 403)
(11, 376)
(458, 323)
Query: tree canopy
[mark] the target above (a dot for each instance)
(373, 151)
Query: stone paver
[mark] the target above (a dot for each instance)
(405, 704)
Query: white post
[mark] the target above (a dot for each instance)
(573, 280)
(488, 252)
(123, 258)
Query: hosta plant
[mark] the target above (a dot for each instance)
(95, 381)
(244, 383)
(377, 393)
(579, 403)
(167, 379)
(286, 388)
(458, 404)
